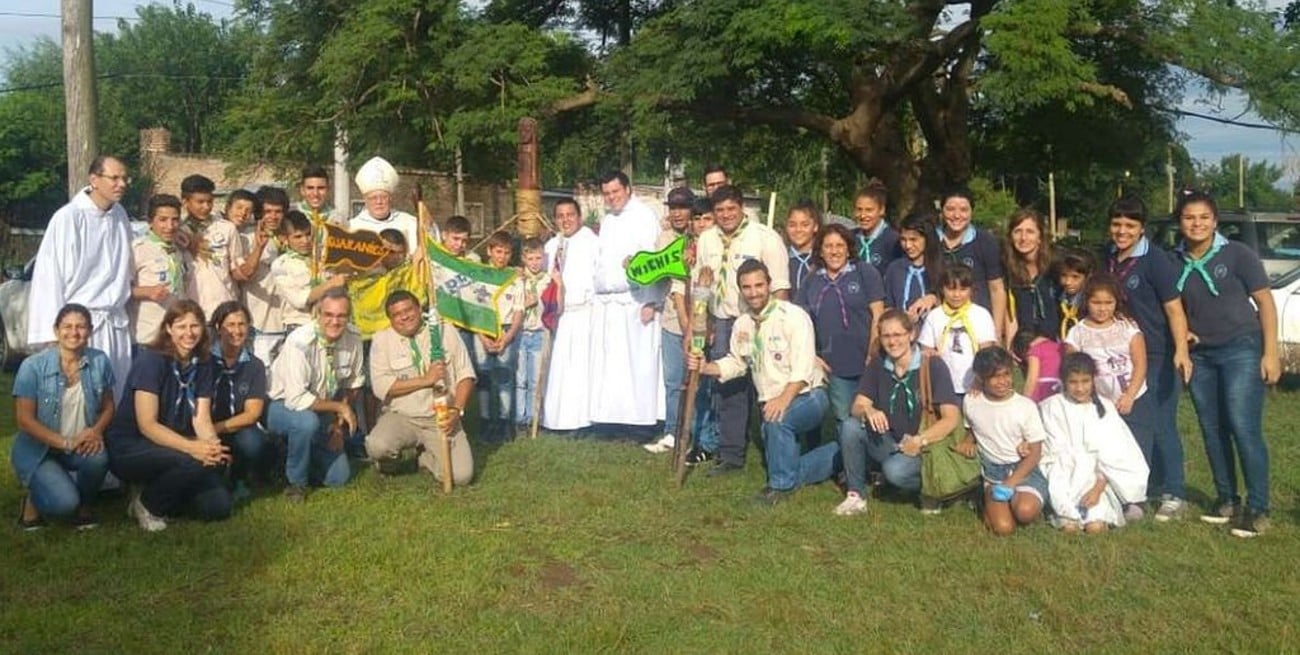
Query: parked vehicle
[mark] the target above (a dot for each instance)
(1276, 238)
(13, 313)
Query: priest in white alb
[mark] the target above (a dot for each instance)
(85, 258)
(571, 254)
(627, 377)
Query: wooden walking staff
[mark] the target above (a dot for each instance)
(539, 394)
(443, 390)
(699, 297)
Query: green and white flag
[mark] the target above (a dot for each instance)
(467, 294)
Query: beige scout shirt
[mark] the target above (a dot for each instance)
(210, 282)
(259, 296)
(291, 282)
(783, 353)
(750, 241)
(392, 359)
(154, 266)
(533, 286)
(304, 370)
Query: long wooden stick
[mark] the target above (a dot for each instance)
(539, 394)
(444, 450)
(687, 438)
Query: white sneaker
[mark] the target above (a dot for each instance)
(148, 522)
(662, 446)
(852, 505)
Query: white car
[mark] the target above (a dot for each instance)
(1275, 237)
(13, 313)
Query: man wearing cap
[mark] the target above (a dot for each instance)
(674, 318)
(627, 379)
(85, 258)
(377, 180)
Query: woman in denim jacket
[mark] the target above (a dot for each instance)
(63, 401)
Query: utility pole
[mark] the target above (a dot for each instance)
(79, 91)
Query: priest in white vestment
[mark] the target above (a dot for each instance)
(627, 374)
(85, 258)
(571, 253)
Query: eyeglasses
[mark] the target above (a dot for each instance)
(124, 179)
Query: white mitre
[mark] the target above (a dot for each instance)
(377, 175)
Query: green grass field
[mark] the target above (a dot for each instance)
(577, 546)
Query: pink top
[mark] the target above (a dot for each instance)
(1048, 353)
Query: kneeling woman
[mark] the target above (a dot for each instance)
(888, 409)
(162, 441)
(63, 401)
(239, 392)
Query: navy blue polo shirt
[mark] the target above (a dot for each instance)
(1216, 320)
(842, 330)
(231, 388)
(1148, 279)
(978, 250)
(883, 249)
(900, 291)
(177, 386)
(877, 383)
(801, 267)
(1038, 306)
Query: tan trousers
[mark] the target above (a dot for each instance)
(394, 432)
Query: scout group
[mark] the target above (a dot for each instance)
(186, 359)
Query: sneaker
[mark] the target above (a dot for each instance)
(698, 456)
(148, 522)
(931, 506)
(85, 521)
(1134, 513)
(769, 496)
(295, 493)
(725, 468)
(1170, 509)
(25, 524)
(852, 505)
(1250, 524)
(661, 446)
(1222, 514)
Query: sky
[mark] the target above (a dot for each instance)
(1206, 140)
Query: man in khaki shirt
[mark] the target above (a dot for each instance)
(722, 249)
(314, 381)
(409, 380)
(158, 269)
(774, 341)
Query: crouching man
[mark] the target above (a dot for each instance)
(773, 339)
(424, 376)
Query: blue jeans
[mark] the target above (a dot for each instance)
(52, 489)
(1164, 386)
(170, 480)
(496, 384)
(1140, 421)
(705, 429)
(858, 444)
(306, 435)
(732, 401)
(674, 361)
(526, 376)
(246, 447)
(786, 469)
(841, 392)
(1228, 394)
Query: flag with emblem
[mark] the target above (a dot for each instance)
(467, 294)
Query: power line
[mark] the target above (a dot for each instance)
(30, 14)
(108, 76)
(1230, 121)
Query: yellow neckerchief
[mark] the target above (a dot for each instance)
(175, 272)
(758, 325)
(1069, 316)
(957, 316)
(727, 240)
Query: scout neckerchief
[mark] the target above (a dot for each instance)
(533, 284)
(1035, 296)
(330, 374)
(1069, 314)
(959, 316)
(967, 237)
(186, 393)
(865, 241)
(1120, 271)
(559, 255)
(758, 338)
(228, 373)
(917, 273)
(904, 383)
(435, 347)
(1191, 265)
(198, 231)
(175, 273)
(727, 240)
(804, 261)
(834, 284)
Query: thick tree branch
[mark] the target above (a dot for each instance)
(934, 55)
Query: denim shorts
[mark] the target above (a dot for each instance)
(1035, 484)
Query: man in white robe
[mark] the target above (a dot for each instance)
(627, 373)
(85, 258)
(572, 254)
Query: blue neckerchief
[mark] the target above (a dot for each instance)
(228, 374)
(1198, 265)
(805, 265)
(913, 273)
(186, 393)
(967, 237)
(1143, 247)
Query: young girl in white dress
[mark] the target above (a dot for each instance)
(1093, 465)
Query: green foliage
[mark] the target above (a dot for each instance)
(1260, 184)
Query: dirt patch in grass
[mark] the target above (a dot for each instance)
(556, 575)
(701, 553)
